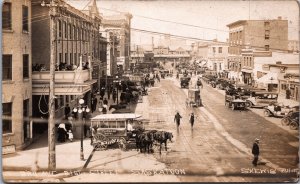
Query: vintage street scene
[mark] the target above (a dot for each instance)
(150, 91)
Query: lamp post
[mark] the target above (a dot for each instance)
(117, 85)
(82, 108)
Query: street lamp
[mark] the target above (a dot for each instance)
(82, 108)
(117, 85)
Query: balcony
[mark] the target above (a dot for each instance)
(73, 77)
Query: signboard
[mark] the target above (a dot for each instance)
(8, 149)
(135, 78)
(112, 132)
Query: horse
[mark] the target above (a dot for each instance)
(144, 141)
(162, 137)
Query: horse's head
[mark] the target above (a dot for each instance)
(169, 136)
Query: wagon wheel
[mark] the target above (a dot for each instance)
(100, 141)
(122, 144)
(267, 113)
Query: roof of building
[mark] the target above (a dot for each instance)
(244, 21)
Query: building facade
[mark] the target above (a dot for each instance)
(261, 35)
(119, 29)
(79, 52)
(16, 75)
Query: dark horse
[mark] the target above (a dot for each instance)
(162, 137)
(144, 141)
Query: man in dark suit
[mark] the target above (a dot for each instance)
(255, 152)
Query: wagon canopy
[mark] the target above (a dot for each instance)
(124, 116)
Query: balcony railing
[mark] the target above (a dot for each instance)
(75, 77)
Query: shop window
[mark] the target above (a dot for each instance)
(6, 16)
(6, 67)
(6, 118)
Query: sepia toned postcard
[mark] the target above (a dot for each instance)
(100, 91)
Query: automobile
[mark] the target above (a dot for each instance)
(184, 82)
(261, 99)
(277, 110)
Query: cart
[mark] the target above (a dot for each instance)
(109, 129)
(194, 99)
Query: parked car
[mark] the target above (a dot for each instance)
(261, 99)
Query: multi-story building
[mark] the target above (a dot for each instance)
(16, 75)
(78, 50)
(217, 57)
(261, 35)
(119, 28)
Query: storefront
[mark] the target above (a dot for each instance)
(289, 86)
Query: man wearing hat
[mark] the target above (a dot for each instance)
(192, 120)
(255, 151)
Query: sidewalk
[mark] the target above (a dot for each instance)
(35, 157)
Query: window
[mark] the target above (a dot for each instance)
(75, 59)
(7, 67)
(70, 31)
(26, 125)
(25, 66)
(66, 57)
(6, 118)
(267, 47)
(214, 49)
(74, 32)
(66, 30)
(71, 59)
(25, 18)
(6, 16)
(60, 58)
(220, 49)
(267, 34)
(267, 24)
(59, 29)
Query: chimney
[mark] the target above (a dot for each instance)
(279, 18)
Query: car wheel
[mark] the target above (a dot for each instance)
(266, 113)
(294, 125)
(248, 104)
(285, 121)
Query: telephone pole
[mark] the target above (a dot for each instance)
(51, 121)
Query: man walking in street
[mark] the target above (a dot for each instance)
(177, 120)
(255, 151)
(192, 120)
(114, 95)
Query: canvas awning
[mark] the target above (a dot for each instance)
(269, 78)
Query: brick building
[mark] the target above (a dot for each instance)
(16, 75)
(261, 35)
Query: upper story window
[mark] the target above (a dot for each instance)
(267, 24)
(214, 49)
(267, 34)
(6, 16)
(6, 118)
(66, 30)
(267, 47)
(74, 32)
(6, 67)
(70, 31)
(220, 49)
(59, 29)
(25, 66)
(25, 18)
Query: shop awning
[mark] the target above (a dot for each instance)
(269, 78)
(246, 70)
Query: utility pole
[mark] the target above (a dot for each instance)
(51, 121)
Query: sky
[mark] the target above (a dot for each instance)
(208, 18)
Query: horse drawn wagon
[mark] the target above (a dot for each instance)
(108, 129)
(194, 99)
(126, 130)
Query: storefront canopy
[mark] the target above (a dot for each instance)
(269, 78)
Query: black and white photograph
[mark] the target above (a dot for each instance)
(106, 91)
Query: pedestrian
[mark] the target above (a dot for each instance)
(177, 120)
(192, 120)
(255, 151)
(92, 134)
(67, 111)
(114, 95)
(104, 109)
(62, 132)
(70, 135)
(105, 101)
(102, 92)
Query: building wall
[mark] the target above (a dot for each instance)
(17, 42)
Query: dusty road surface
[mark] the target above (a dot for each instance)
(217, 149)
